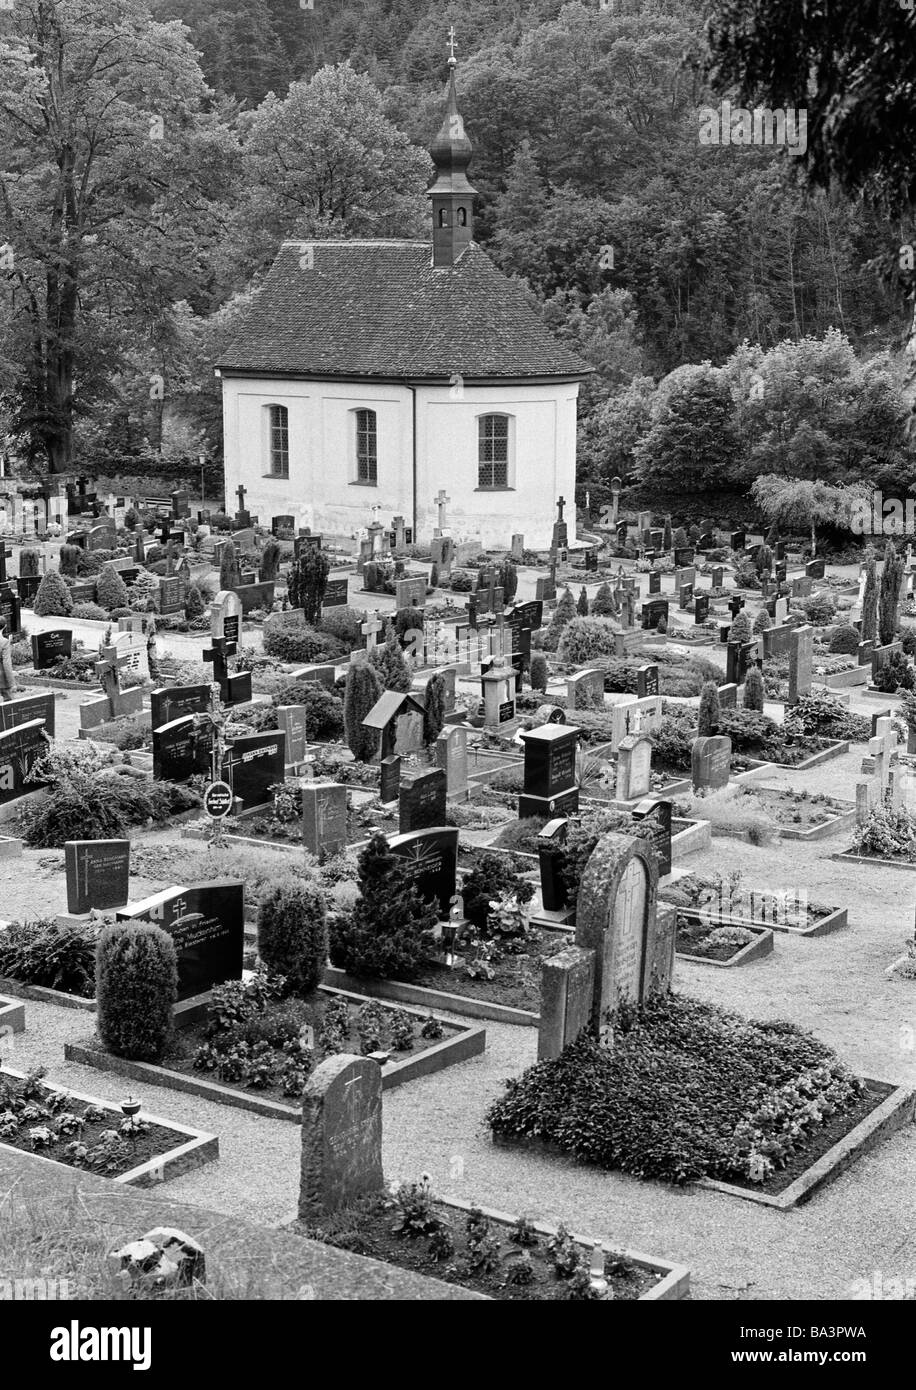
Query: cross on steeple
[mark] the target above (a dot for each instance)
(452, 60)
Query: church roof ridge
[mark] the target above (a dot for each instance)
(381, 309)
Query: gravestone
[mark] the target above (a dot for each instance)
(341, 1136)
(253, 764)
(207, 923)
(180, 503)
(498, 695)
(101, 537)
(252, 594)
(706, 541)
(170, 600)
(814, 569)
(452, 759)
(736, 540)
(710, 762)
(585, 690)
(517, 553)
(728, 695)
(280, 525)
(652, 612)
(51, 646)
(336, 593)
(718, 577)
(20, 748)
(545, 589)
(176, 701)
(389, 780)
(550, 863)
(97, 874)
(683, 555)
(550, 772)
(647, 680)
(655, 581)
(634, 767)
(567, 999)
(685, 595)
(591, 561)
(324, 818)
(11, 609)
(226, 615)
(291, 719)
(422, 801)
(801, 662)
(410, 593)
(25, 708)
(183, 748)
(656, 816)
(617, 919)
(324, 675)
(433, 858)
(700, 609)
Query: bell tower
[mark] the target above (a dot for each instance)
(451, 195)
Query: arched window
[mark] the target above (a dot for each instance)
(493, 451)
(443, 217)
(278, 441)
(366, 447)
(462, 217)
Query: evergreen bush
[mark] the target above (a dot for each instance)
(136, 985)
(387, 933)
(53, 597)
(293, 936)
(362, 690)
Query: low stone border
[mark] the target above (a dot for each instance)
(834, 750)
(843, 680)
(196, 1146)
(43, 995)
(675, 1281)
(896, 1110)
(464, 1043)
(202, 831)
(754, 950)
(39, 678)
(872, 860)
(842, 821)
(435, 1000)
(12, 1016)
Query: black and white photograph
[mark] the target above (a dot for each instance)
(457, 674)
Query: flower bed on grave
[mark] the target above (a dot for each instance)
(690, 1091)
(43, 956)
(487, 1251)
(721, 945)
(720, 901)
(887, 836)
(256, 1045)
(748, 811)
(71, 1129)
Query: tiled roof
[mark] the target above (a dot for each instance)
(380, 309)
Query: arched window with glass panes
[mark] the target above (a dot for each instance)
(366, 446)
(493, 451)
(278, 441)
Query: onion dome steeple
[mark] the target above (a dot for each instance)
(451, 194)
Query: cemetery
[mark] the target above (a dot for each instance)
(411, 844)
(457, 705)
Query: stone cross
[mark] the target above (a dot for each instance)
(882, 764)
(108, 669)
(370, 630)
(441, 502)
(240, 493)
(561, 503)
(219, 651)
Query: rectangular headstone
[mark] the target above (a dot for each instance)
(656, 815)
(97, 874)
(422, 801)
(389, 780)
(254, 764)
(182, 749)
(324, 818)
(711, 762)
(433, 858)
(51, 646)
(25, 708)
(207, 923)
(801, 662)
(176, 701)
(291, 719)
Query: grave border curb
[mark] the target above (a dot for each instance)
(196, 1148)
(42, 994)
(12, 1015)
(675, 1281)
(754, 950)
(466, 1042)
(872, 860)
(436, 999)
